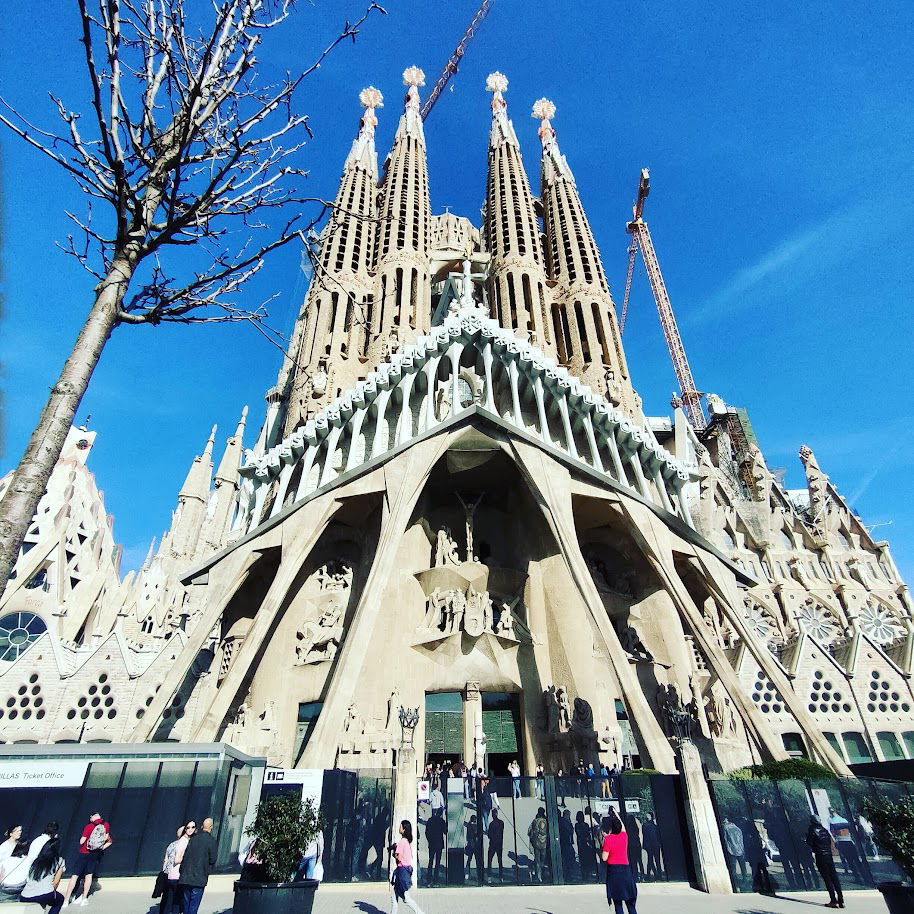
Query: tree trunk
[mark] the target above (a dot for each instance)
(30, 478)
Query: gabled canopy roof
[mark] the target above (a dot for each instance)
(468, 360)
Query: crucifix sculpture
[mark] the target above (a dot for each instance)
(469, 508)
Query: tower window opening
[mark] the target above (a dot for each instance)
(542, 305)
(562, 332)
(601, 336)
(582, 331)
(399, 300)
(528, 302)
(380, 322)
(413, 299)
(512, 301)
(335, 300)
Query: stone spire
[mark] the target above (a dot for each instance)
(402, 300)
(587, 332)
(187, 520)
(518, 293)
(330, 336)
(222, 500)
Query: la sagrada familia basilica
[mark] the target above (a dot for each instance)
(457, 503)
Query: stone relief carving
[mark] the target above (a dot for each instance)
(474, 612)
(631, 642)
(445, 549)
(720, 714)
(621, 580)
(761, 478)
(319, 639)
(678, 718)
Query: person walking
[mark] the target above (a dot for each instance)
(840, 829)
(514, 771)
(540, 783)
(584, 837)
(652, 847)
(436, 799)
(538, 835)
(560, 785)
(94, 841)
(620, 884)
(496, 836)
(471, 848)
(822, 844)
(196, 866)
(435, 832)
(172, 900)
(634, 847)
(758, 861)
(566, 843)
(313, 854)
(44, 878)
(734, 848)
(604, 781)
(401, 879)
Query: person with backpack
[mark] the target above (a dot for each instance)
(538, 834)
(94, 841)
(822, 845)
(44, 878)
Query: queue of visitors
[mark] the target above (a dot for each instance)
(33, 871)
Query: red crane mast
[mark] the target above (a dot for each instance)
(450, 68)
(641, 238)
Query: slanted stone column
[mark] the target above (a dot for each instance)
(406, 780)
(711, 874)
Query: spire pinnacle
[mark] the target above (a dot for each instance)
(544, 111)
(413, 77)
(497, 83)
(208, 450)
(370, 99)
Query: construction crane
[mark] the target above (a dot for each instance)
(641, 238)
(450, 68)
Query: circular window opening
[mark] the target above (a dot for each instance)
(18, 632)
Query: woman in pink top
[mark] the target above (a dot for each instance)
(620, 884)
(402, 877)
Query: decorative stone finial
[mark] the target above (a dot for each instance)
(413, 77)
(370, 98)
(544, 111)
(497, 82)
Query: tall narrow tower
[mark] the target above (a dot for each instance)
(402, 289)
(331, 337)
(517, 285)
(587, 332)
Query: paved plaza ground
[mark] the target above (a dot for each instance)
(132, 896)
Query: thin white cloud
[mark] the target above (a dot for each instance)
(818, 246)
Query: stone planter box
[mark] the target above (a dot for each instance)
(899, 899)
(274, 897)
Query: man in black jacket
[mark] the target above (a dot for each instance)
(822, 846)
(196, 866)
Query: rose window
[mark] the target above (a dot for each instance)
(817, 621)
(18, 631)
(880, 623)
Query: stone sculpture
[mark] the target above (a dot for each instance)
(561, 696)
(632, 644)
(445, 549)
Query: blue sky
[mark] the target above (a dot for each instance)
(781, 150)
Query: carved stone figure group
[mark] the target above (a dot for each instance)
(451, 611)
(678, 718)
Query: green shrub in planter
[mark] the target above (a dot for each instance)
(791, 769)
(283, 827)
(893, 828)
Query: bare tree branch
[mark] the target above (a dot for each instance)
(177, 145)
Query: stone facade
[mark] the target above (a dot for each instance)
(455, 498)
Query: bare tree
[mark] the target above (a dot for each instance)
(180, 144)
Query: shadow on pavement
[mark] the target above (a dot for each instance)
(366, 907)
